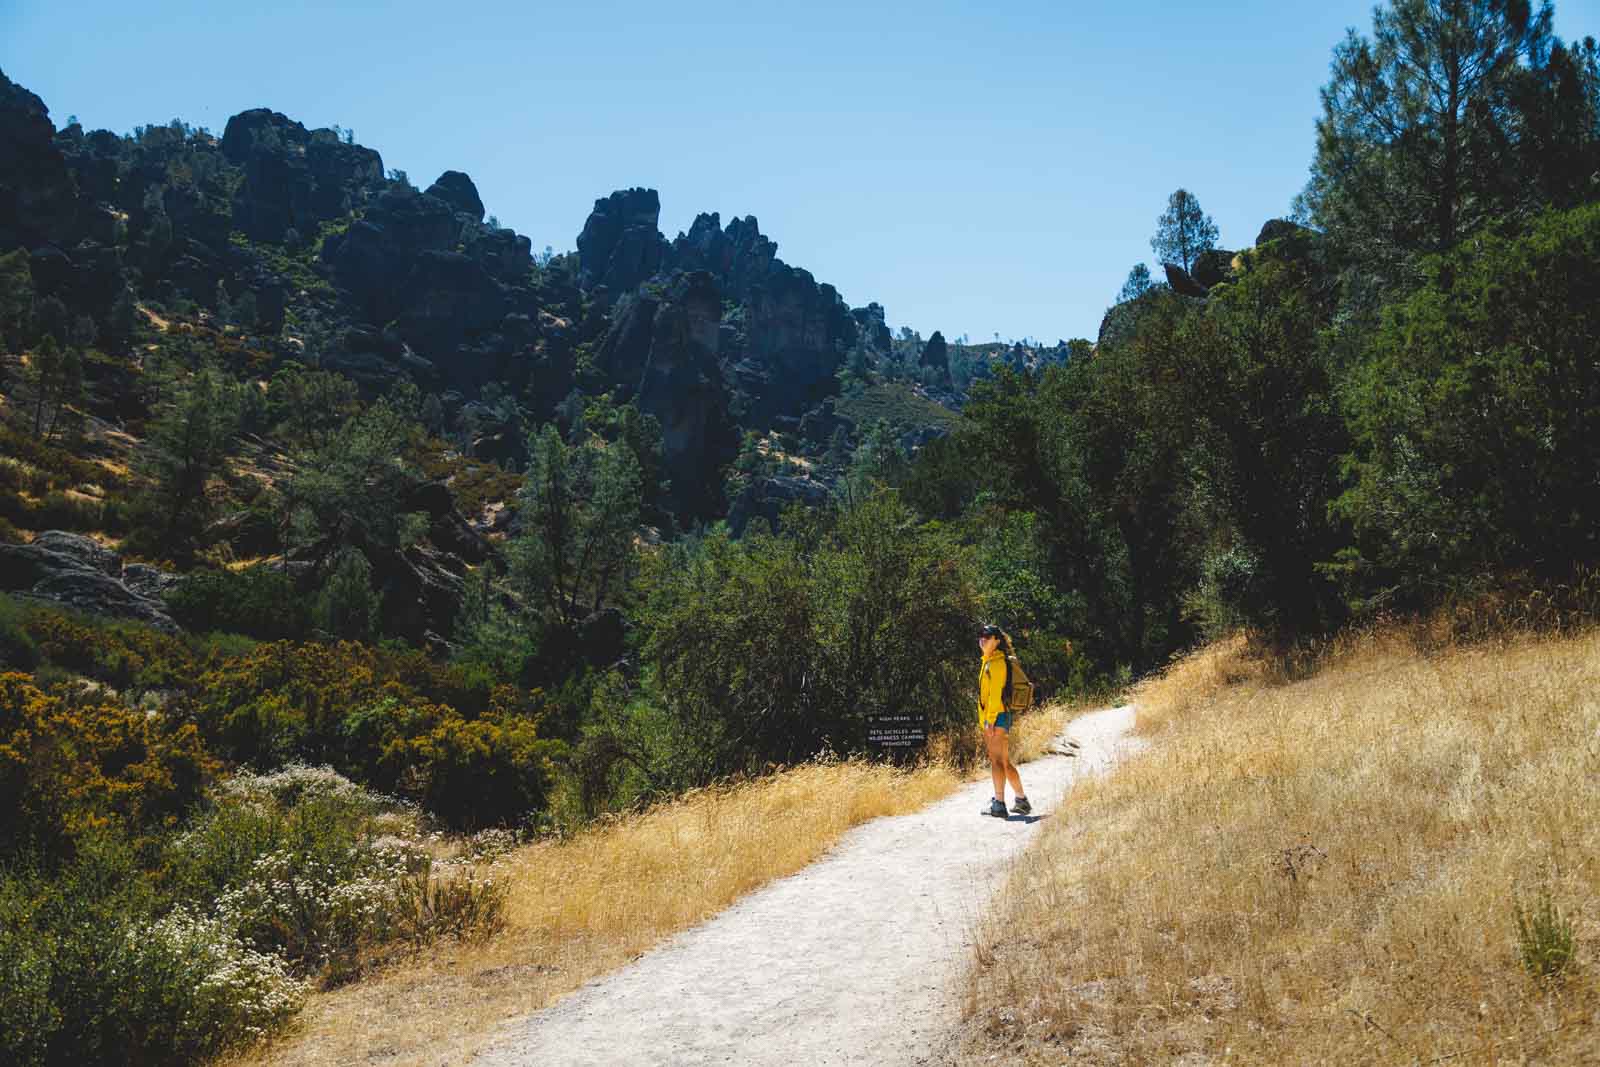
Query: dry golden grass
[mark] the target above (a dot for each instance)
(1317, 861)
(582, 907)
(585, 906)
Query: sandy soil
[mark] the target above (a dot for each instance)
(856, 959)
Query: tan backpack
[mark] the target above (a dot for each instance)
(1017, 693)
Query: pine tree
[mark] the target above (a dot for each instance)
(1417, 138)
(1137, 285)
(1183, 231)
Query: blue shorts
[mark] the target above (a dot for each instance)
(1003, 721)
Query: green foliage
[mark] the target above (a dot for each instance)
(1417, 145)
(294, 265)
(898, 404)
(351, 488)
(187, 444)
(772, 648)
(1474, 410)
(399, 724)
(1546, 944)
(308, 406)
(580, 506)
(103, 978)
(943, 479)
(1258, 381)
(55, 376)
(1014, 567)
(260, 601)
(16, 299)
(1137, 285)
(1183, 231)
(347, 606)
(127, 656)
(878, 462)
(72, 761)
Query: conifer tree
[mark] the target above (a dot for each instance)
(1183, 231)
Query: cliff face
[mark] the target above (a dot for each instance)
(662, 350)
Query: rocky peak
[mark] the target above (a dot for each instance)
(662, 345)
(872, 331)
(739, 257)
(457, 190)
(37, 200)
(620, 245)
(295, 178)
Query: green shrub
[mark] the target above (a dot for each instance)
(1473, 409)
(18, 650)
(260, 601)
(774, 648)
(72, 761)
(94, 976)
(1545, 942)
(347, 605)
(304, 865)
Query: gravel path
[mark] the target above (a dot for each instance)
(853, 960)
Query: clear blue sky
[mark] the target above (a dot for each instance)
(974, 167)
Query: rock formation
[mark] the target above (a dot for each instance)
(295, 179)
(620, 245)
(662, 347)
(76, 571)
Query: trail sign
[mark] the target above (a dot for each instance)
(900, 731)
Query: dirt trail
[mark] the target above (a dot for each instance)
(855, 959)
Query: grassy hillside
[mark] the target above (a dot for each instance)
(1386, 855)
(896, 403)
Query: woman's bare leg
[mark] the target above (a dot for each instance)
(1010, 769)
(995, 739)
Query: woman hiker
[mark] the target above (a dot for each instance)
(995, 721)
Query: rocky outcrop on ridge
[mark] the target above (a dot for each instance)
(78, 572)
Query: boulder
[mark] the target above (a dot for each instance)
(1213, 267)
(1273, 229)
(1182, 282)
(38, 203)
(445, 299)
(788, 339)
(88, 553)
(505, 255)
(457, 190)
(738, 257)
(821, 423)
(294, 178)
(871, 329)
(767, 498)
(77, 572)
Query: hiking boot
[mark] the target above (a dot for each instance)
(1021, 807)
(997, 808)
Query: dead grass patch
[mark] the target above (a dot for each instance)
(582, 907)
(585, 906)
(1319, 860)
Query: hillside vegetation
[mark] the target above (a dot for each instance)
(343, 539)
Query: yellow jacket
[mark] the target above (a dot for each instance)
(991, 683)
